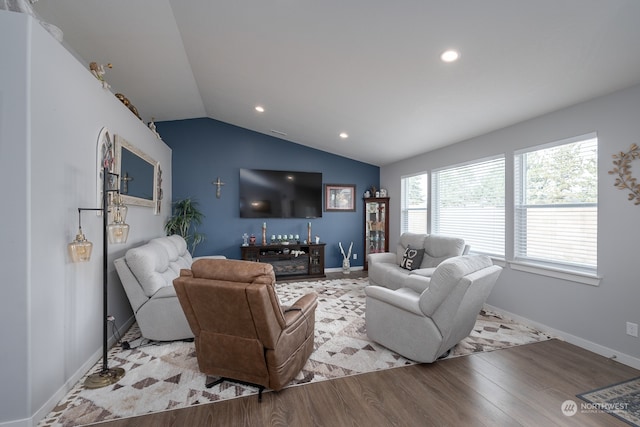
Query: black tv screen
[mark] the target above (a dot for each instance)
(280, 194)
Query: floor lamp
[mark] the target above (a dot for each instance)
(114, 230)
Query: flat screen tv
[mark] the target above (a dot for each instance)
(280, 194)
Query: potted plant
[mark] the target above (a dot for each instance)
(185, 220)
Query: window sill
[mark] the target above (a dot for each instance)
(557, 273)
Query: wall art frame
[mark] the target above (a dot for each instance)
(139, 175)
(339, 198)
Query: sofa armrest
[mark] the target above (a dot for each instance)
(133, 289)
(388, 257)
(404, 299)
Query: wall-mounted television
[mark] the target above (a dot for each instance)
(280, 194)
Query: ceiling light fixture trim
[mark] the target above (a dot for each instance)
(450, 55)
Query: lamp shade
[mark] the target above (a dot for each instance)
(118, 211)
(80, 248)
(118, 232)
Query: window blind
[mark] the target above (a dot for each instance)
(468, 202)
(556, 204)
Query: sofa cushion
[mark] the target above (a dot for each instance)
(150, 264)
(178, 255)
(412, 258)
(394, 276)
(438, 248)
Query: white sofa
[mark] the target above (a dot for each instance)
(147, 274)
(385, 268)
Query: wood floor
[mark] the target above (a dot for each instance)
(519, 386)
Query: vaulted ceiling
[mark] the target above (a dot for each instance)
(370, 68)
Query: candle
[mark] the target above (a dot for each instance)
(264, 225)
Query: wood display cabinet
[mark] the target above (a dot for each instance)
(376, 226)
(293, 261)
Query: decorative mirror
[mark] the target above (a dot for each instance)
(139, 175)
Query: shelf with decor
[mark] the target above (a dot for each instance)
(289, 261)
(376, 226)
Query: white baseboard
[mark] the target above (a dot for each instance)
(339, 269)
(623, 358)
(46, 408)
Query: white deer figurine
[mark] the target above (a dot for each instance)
(346, 264)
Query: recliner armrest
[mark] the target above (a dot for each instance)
(388, 257)
(302, 306)
(403, 298)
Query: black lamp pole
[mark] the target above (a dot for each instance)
(107, 375)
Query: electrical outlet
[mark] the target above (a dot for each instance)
(355, 256)
(632, 329)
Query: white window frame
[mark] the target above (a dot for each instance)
(405, 209)
(549, 266)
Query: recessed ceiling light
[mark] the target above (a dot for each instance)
(344, 135)
(450, 55)
(259, 108)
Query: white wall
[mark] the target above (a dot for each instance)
(593, 317)
(52, 110)
(14, 332)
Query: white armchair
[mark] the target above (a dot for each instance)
(423, 325)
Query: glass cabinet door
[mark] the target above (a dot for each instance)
(376, 225)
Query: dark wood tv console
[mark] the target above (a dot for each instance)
(293, 261)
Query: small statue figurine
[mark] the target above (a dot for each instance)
(346, 263)
(245, 236)
(98, 72)
(152, 126)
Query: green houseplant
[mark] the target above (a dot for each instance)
(185, 221)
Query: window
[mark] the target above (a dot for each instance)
(556, 205)
(468, 202)
(415, 195)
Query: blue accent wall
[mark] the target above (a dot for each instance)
(205, 149)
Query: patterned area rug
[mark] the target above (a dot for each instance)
(622, 400)
(166, 376)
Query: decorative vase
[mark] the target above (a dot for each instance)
(346, 266)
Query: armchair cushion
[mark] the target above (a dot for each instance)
(150, 264)
(445, 276)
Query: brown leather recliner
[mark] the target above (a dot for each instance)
(241, 331)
